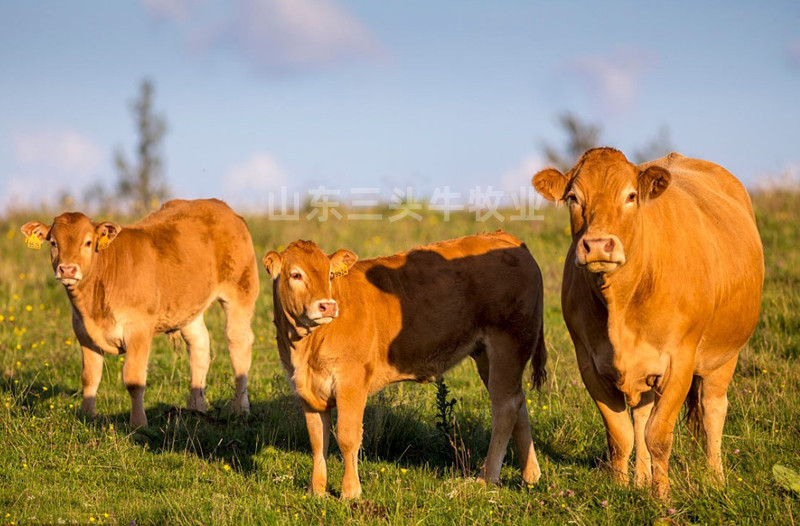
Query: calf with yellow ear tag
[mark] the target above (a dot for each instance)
(156, 276)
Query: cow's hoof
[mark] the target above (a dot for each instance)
(241, 407)
(138, 421)
(197, 403)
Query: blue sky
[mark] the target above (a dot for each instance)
(260, 94)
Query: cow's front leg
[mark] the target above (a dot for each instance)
(134, 373)
(350, 399)
(91, 374)
(611, 403)
(319, 430)
(660, 427)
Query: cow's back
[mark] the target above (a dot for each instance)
(180, 257)
(434, 302)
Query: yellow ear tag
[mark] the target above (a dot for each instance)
(103, 242)
(33, 241)
(339, 270)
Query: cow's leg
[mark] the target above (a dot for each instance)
(319, 429)
(350, 401)
(660, 427)
(529, 465)
(528, 462)
(195, 334)
(611, 403)
(506, 364)
(641, 413)
(134, 373)
(238, 317)
(714, 400)
(91, 374)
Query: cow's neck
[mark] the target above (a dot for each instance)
(89, 296)
(630, 286)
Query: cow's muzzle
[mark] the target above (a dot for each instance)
(323, 311)
(599, 253)
(68, 274)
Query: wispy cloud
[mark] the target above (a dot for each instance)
(248, 183)
(49, 163)
(275, 36)
(612, 80)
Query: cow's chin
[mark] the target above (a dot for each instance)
(69, 282)
(601, 267)
(322, 320)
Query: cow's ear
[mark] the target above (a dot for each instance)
(35, 232)
(106, 232)
(273, 263)
(343, 257)
(653, 181)
(551, 184)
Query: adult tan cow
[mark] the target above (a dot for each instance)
(662, 288)
(346, 329)
(158, 275)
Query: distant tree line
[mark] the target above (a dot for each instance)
(582, 136)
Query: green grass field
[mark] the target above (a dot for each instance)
(57, 466)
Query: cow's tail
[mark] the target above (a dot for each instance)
(694, 409)
(539, 360)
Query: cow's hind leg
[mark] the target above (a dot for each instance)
(529, 464)
(714, 399)
(506, 363)
(643, 471)
(238, 317)
(195, 334)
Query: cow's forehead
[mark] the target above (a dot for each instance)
(306, 254)
(72, 222)
(603, 175)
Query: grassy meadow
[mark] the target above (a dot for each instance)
(56, 466)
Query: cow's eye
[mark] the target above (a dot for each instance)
(88, 243)
(631, 197)
(296, 275)
(571, 199)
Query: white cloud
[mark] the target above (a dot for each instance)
(520, 176)
(274, 36)
(249, 183)
(516, 182)
(49, 163)
(612, 80)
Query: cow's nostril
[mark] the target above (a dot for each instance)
(322, 307)
(609, 246)
(586, 247)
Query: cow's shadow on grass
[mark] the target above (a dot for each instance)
(398, 434)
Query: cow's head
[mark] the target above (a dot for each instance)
(302, 275)
(74, 241)
(604, 193)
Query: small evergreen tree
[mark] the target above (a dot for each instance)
(143, 186)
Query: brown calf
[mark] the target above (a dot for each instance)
(158, 275)
(346, 329)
